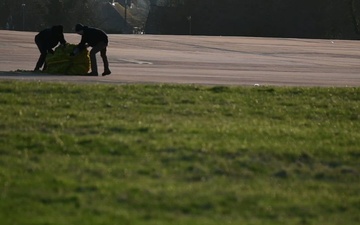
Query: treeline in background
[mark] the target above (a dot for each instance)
(263, 18)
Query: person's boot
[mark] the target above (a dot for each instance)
(106, 72)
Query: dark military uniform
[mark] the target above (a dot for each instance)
(46, 40)
(98, 40)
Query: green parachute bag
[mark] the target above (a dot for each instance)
(62, 63)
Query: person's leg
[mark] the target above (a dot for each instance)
(41, 61)
(94, 70)
(106, 62)
(43, 54)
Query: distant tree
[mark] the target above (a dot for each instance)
(170, 3)
(3, 13)
(39, 14)
(11, 13)
(56, 14)
(355, 12)
(70, 12)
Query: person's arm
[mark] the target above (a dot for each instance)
(82, 45)
(48, 45)
(62, 40)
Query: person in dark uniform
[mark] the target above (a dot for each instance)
(98, 40)
(46, 40)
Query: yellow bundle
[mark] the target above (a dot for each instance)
(62, 63)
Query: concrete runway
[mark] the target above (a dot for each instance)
(200, 60)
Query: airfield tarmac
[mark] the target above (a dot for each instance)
(204, 60)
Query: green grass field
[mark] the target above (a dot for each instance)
(178, 154)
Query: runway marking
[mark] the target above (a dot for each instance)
(134, 61)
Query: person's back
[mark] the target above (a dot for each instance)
(92, 36)
(98, 40)
(51, 36)
(46, 40)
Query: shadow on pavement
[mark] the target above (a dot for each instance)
(32, 73)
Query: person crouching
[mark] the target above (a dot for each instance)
(98, 40)
(46, 40)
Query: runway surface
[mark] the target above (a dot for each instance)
(210, 60)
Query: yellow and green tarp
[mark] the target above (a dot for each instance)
(62, 63)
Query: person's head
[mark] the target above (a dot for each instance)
(79, 28)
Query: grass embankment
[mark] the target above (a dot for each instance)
(168, 154)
